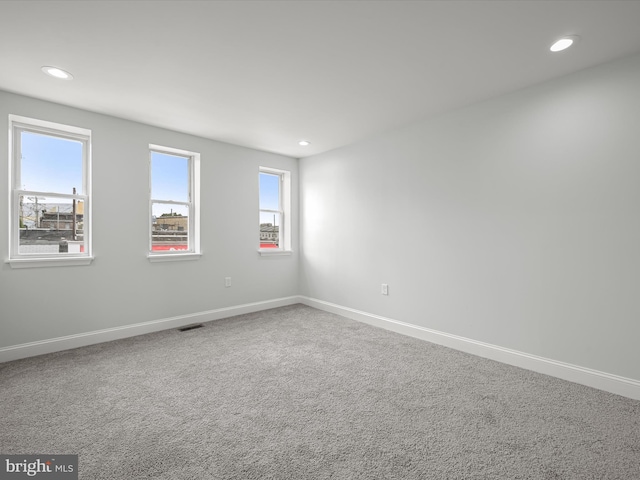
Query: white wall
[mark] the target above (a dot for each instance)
(121, 287)
(513, 222)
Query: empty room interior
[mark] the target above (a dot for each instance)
(320, 239)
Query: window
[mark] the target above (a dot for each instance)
(275, 207)
(173, 208)
(50, 217)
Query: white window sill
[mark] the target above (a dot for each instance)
(49, 262)
(272, 252)
(173, 257)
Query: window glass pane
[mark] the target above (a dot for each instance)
(169, 177)
(269, 191)
(50, 164)
(169, 227)
(47, 225)
(270, 229)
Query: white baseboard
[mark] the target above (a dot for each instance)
(58, 344)
(603, 381)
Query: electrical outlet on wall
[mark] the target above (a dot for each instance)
(385, 289)
(227, 281)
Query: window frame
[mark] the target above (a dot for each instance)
(17, 125)
(284, 210)
(193, 251)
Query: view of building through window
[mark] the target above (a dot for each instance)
(170, 202)
(49, 177)
(270, 210)
(50, 198)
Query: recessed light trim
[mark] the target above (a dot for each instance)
(304, 143)
(57, 72)
(564, 43)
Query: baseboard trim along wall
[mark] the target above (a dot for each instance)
(32, 349)
(603, 381)
(592, 378)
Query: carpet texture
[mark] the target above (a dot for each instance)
(297, 393)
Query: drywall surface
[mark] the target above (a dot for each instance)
(121, 287)
(512, 222)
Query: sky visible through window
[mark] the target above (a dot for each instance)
(269, 198)
(269, 186)
(54, 165)
(50, 164)
(270, 222)
(169, 181)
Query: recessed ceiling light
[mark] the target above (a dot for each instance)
(304, 143)
(564, 43)
(57, 73)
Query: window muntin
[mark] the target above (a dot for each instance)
(173, 204)
(274, 210)
(50, 179)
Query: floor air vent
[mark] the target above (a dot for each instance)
(190, 327)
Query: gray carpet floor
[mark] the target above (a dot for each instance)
(297, 393)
